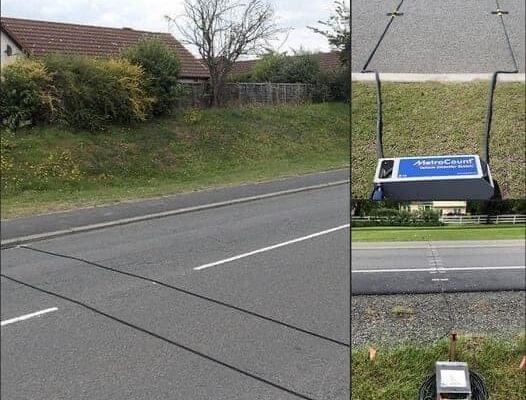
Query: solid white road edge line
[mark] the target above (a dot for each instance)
(440, 246)
(458, 77)
(27, 316)
(301, 239)
(372, 271)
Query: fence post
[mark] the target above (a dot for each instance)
(497, 222)
(514, 219)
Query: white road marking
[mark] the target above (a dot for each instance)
(355, 247)
(372, 271)
(27, 316)
(301, 239)
(410, 77)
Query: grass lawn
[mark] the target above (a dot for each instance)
(435, 119)
(397, 373)
(479, 232)
(53, 168)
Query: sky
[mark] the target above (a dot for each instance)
(148, 15)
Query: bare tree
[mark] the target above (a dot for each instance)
(223, 30)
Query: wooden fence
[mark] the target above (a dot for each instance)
(197, 94)
(267, 93)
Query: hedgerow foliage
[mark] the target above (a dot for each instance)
(26, 92)
(161, 67)
(95, 92)
(300, 68)
(90, 93)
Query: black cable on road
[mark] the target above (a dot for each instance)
(443, 293)
(493, 84)
(379, 112)
(155, 335)
(187, 292)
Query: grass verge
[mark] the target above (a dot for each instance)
(435, 119)
(480, 232)
(396, 373)
(53, 168)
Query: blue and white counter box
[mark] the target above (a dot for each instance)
(456, 177)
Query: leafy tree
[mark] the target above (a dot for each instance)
(268, 67)
(337, 29)
(161, 67)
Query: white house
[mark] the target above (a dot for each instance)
(443, 207)
(9, 47)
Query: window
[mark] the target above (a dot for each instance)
(9, 51)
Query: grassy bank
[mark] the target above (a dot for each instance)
(479, 232)
(397, 373)
(434, 119)
(52, 168)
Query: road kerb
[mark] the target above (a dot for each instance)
(13, 242)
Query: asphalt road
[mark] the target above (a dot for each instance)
(437, 36)
(271, 323)
(51, 222)
(420, 267)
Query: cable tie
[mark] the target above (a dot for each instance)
(499, 12)
(394, 14)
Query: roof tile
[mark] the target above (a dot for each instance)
(44, 37)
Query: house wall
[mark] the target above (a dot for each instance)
(444, 207)
(4, 42)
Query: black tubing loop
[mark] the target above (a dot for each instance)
(379, 111)
(492, 86)
(479, 390)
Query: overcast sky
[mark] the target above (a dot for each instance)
(149, 15)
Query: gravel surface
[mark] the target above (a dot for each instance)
(423, 318)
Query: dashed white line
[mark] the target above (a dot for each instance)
(251, 253)
(27, 316)
(372, 271)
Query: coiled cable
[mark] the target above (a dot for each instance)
(479, 391)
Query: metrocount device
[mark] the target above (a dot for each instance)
(455, 177)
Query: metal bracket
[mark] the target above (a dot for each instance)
(499, 12)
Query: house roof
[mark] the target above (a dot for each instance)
(241, 67)
(328, 61)
(43, 37)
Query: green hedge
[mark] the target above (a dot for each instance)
(82, 92)
(300, 68)
(95, 92)
(26, 93)
(90, 93)
(161, 67)
(394, 217)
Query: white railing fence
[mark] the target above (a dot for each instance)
(461, 219)
(484, 219)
